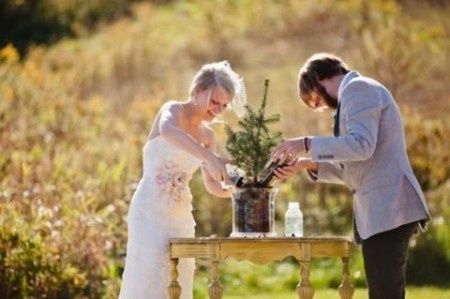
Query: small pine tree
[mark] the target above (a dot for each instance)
(251, 147)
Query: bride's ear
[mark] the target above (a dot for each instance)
(195, 97)
(196, 92)
(198, 95)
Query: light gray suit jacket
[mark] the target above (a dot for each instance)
(369, 156)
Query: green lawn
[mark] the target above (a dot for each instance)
(411, 293)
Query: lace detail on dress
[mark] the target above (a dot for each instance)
(173, 181)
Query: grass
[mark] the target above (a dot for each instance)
(242, 279)
(411, 293)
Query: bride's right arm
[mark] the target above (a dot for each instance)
(170, 129)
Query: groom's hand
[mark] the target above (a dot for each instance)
(289, 149)
(295, 167)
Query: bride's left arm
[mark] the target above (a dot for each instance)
(212, 186)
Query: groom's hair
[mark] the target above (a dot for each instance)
(318, 67)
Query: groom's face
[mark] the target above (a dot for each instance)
(319, 99)
(316, 101)
(330, 101)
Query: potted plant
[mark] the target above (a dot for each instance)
(250, 147)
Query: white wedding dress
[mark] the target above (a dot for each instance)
(160, 209)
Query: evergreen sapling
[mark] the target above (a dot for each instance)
(251, 146)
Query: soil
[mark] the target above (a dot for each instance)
(253, 210)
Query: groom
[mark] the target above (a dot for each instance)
(368, 154)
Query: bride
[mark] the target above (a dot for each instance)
(179, 142)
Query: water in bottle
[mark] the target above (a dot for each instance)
(293, 221)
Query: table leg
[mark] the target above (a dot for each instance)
(174, 287)
(304, 288)
(215, 288)
(345, 289)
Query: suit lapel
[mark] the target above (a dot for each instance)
(345, 82)
(336, 120)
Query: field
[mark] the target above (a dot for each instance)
(81, 82)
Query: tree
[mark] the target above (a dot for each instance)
(251, 146)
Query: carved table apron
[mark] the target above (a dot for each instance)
(261, 251)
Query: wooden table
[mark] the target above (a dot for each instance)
(261, 251)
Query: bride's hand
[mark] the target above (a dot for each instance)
(216, 168)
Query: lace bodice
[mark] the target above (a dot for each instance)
(169, 169)
(160, 154)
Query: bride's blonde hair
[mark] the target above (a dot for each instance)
(220, 74)
(212, 75)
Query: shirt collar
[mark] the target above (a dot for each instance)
(345, 80)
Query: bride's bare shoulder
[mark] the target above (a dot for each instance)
(173, 112)
(171, 106)
(169, 112)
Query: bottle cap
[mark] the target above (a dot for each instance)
(294, 205)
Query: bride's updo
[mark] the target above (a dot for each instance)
(220, 74)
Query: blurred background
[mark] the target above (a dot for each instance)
(80, 84)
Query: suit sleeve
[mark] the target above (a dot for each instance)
(328, 172)
(361, 110)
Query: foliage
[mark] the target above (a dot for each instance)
(61, 174)
(279, 280)
(411, 293)
(429, 255)
(428, 146)
(431, 249)
(49, 20)
(31, 269)
(402, 52)
(74, 116)
(251, 146)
